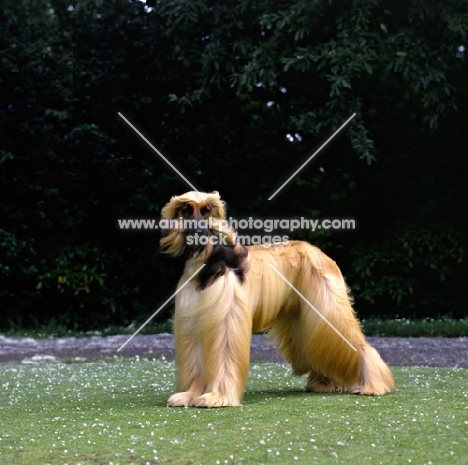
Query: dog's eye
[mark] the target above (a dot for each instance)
(205, 210)
(187, 209)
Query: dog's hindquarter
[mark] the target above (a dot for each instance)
(317, 331)
(307, 314)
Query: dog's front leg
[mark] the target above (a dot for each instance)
(227, 334)
(189, 369)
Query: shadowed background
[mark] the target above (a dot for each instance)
(237, 96)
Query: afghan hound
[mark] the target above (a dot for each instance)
(293, 291)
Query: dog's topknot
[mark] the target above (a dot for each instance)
(218, 206)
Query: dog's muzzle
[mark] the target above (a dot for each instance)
(196, 238)
(196, 232)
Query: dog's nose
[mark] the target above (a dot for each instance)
(199, 231)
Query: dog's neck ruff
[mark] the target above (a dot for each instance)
(222, 259)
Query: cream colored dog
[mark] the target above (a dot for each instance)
(237, 293)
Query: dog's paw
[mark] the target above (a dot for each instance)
(371, 390)
(361, 391)
(212, 400)
(323, 384)
(181, 399)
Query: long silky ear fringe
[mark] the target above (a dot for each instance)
(220, 229)
(173, 243)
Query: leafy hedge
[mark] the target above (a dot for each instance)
(218, 87)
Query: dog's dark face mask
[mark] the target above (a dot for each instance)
(195, 217)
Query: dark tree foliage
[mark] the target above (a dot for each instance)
(237, 95)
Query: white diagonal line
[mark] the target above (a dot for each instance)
(315, 153)
(318, 313)
(159, 153)
(157, 311)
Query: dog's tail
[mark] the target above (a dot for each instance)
(365, 371)
(371, 374)
(376, 377)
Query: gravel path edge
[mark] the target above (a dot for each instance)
(396, 351)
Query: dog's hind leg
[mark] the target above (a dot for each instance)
(226, 344)
(319, 383)
(330, 334)
(294, 343)
(336, 347)
(287, 336)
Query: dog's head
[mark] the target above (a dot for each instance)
(193, 219)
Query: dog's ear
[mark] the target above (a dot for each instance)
(171, 209)
(218, 206)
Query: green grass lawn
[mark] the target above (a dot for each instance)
(114, 412)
